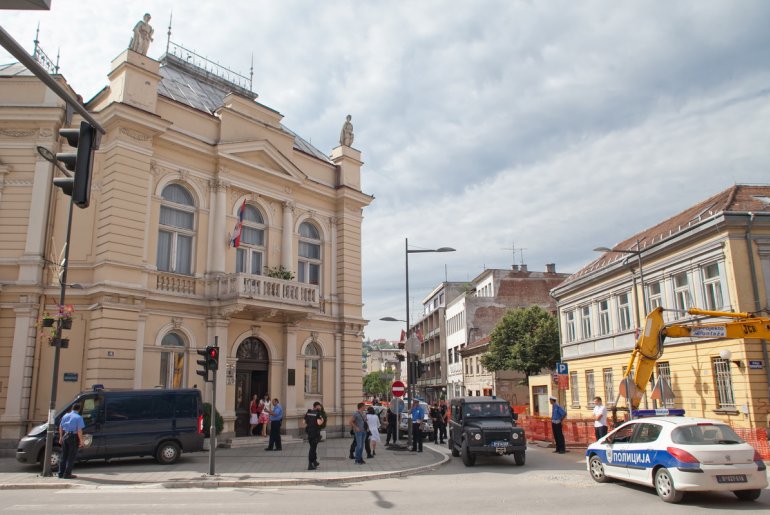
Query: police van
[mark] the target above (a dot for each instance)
(677, 454)
(121, 423)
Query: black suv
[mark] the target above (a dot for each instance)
(485, 425)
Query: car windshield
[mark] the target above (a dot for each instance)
(705, 434)
(486, 409)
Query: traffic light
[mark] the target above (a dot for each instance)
(86, 141)
(212, 357)
(203, 363)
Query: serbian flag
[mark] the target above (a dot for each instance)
(403, 336)
(419, 334)
(235, 241)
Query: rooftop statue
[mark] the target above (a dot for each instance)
(143, 31)
(346, 134)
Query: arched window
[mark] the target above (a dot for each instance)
(176, 230)
(172, 361)
(249, 256)
(309, 263)
(313, 368)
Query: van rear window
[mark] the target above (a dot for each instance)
(711, 434)
(140, 407)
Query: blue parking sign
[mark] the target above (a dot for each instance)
(562, 369)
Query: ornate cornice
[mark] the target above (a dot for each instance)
(135, 134)
(18, 133)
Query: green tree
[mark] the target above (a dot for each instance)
(377, 383)
(525, 340)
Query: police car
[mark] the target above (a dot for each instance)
(677, 454)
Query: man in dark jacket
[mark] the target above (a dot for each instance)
(392, 427)
(313, 423)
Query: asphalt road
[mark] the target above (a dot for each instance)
(548, 483)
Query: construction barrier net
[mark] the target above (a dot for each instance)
(580, 432)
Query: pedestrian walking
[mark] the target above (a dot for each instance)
(373, 422)
(276, 416)
(313, 422)
(418, 417)
(253, 414)
(264, 418)
(438, 424)
(392, 426)
(600, 418)
(358, 426)
(558, 414)
(70, 439)
(444, 419)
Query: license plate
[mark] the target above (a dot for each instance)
(735, 478)
(500, 443)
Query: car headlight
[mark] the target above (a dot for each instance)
(477, 436)
(515, 436)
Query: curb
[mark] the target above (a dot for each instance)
(231, 483)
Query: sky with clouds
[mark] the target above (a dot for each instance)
(552, 126)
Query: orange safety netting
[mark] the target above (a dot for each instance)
(581, 432)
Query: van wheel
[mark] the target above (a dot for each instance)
(168, 453)
(469, 459)
(520, 458)
(55, 458)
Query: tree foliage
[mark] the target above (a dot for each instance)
(525, 340)
(377, 383)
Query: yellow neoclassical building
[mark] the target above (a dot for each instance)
(154, 275)
(714, 255)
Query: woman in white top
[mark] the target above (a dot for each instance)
(373, 421)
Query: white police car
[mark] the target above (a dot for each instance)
(677, 455)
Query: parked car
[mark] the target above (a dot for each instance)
(159, 423)
(485, 426)
(676, 455)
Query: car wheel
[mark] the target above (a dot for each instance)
(469, 459)
(520, 458)
(596, 468)
(55, 459)
(664, 485)
(748, 495)
(168, 453)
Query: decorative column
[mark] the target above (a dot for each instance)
(338, 407)
(287, 237)
(217, 227)
(30, 264)
(19, 372)
(217, 331)
(290, 400)
(139, 350)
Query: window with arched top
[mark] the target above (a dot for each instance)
(309, 262)
(250, 254)
(172, 361)
(176, 230)
(313, 368)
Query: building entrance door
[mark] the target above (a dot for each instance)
(251, 378)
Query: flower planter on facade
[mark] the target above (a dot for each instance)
(66, 323)
(48, 322)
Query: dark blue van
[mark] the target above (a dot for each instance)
(120, 423)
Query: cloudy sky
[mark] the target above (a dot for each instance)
(554, 126)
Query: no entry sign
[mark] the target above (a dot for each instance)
(398, 388)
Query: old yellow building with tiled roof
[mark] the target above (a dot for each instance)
(714, 255)
(155, 276)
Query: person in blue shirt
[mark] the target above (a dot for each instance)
(70, 439)
(276, 416)
(418, 415)
(558, 414)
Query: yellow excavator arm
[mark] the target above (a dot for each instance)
(649, 346)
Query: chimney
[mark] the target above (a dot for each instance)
(515, 268)
(550, 268)
(523, 267)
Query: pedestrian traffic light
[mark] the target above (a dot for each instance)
(212, 357)
(203, 363)
(85, 139)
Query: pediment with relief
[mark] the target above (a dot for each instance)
(263, 156)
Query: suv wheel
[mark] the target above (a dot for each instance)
(450, 442)
(168, 453)
(469, 459)
(520, 458)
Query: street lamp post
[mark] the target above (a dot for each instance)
(410, 373)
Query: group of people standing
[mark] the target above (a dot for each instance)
(258, 416)
(558, 414)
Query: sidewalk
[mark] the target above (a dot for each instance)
(236, 467)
